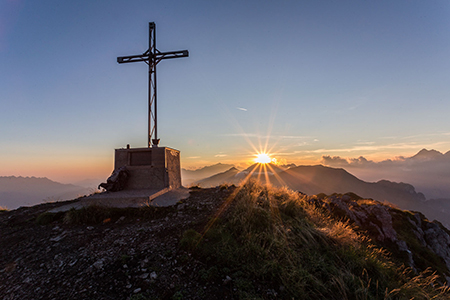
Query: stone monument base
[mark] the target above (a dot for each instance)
(150, 168)
(153, 179)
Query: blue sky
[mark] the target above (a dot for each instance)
(300, 78)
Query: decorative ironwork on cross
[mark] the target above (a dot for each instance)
(152, 57)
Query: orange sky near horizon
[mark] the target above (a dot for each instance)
(70, 169)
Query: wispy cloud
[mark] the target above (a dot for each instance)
(242, 135)
(220, 155)
(241, 108)
(269, 136)
(373, 147)
(365, 143)
(295, 137)
(426, 135)
(423, 135)
(359, 148)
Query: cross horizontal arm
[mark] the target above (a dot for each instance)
(132, 58)
(172, 54)
(146, 56)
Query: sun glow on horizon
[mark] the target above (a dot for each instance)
(262, 158)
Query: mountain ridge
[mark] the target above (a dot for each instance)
(18, 191)
(318, 179)
(190, 176)
(427, 170)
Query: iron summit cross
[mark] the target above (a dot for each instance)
(152, 57)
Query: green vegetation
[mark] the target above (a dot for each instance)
(273, 240)
(48, 218)
(190, 239)
(138, 297)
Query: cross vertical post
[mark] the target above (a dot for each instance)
(152, 101)
(152, 57)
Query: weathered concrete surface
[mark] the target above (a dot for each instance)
(130, 198)
(150, 168)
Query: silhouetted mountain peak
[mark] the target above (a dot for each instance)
(321, 170)
(217, 179)
(425, 154)
(190, 176)
(206, 168)
(270, 168)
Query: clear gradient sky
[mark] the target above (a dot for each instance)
(305, 78)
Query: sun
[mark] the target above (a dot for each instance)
(263, 158)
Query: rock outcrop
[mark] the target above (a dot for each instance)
(408, 235)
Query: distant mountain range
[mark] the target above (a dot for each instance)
(432, 154)
(190, 176)
(28, 191)
(427, 174)
(313, 180)
(428, 170)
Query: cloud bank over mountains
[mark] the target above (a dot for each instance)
(428, 170)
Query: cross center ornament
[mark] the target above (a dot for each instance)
(152, 57)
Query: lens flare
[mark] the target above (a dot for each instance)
(262, 158)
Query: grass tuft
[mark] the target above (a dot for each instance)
(93, 214)
(48, 218)
(190, 239)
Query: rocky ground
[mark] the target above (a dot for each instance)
(134, 256)
(125, 258)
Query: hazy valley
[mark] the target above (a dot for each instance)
(28, 191)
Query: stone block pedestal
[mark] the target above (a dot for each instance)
(150, 168)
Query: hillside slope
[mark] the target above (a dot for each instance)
(225, 243)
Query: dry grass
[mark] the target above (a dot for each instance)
(277, 238)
